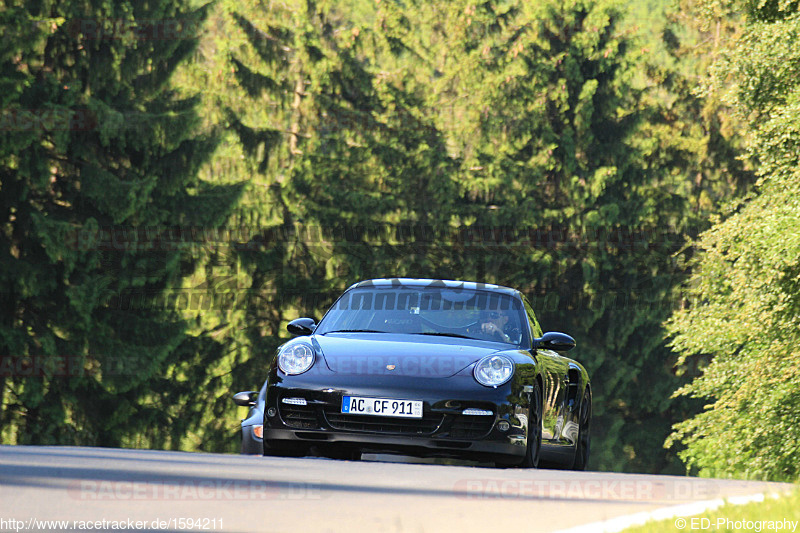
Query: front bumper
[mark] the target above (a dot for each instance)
(443, 430)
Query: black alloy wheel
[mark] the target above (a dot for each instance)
(277, 448)
(534, 430)
(584, 437)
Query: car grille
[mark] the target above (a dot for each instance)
(470, 427)
(452, 426)
(299, 416)
(429, 423)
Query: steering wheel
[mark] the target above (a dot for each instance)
(442, 328)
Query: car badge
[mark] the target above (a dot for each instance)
(391, 367)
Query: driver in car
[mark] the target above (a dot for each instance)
(494, 323)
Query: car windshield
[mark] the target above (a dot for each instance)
(443, 311)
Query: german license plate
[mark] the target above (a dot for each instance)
(357, 405)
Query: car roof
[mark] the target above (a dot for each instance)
(419, 282)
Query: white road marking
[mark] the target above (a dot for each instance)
(620, 523)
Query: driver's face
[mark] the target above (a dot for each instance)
(498, 318)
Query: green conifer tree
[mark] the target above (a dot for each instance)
(86, 199)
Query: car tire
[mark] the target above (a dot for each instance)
(534, 446)
(276, 448)
(584, 436)
(341, 454)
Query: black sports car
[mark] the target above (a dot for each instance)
(427, 368)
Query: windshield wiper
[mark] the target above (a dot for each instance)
(443, 334)
(355, 331)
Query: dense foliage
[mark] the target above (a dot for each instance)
(744, 307)
(93, 139)
(300, 146)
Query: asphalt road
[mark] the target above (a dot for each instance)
(87, 486)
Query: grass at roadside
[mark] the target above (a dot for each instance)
(773, 514)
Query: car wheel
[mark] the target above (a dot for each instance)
(277, 448)
(584, 437)
(534, 430)
(342, 454)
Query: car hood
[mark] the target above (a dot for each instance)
(387, 354)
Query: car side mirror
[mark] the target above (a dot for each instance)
(302, 326)
(245, 399)
(553, 340)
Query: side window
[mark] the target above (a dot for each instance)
(536, 329)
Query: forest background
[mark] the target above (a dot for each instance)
(178, 180)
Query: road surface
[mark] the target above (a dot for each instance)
(103, 488)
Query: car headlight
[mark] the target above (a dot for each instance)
(494, 370)
(296, 358)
